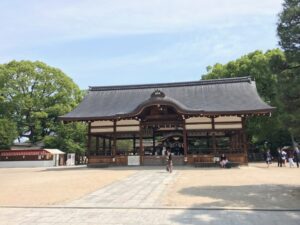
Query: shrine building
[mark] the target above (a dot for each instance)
(197, 121)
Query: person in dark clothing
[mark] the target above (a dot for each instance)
(279, 159)
(296, 156)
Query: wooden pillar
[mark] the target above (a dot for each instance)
(97, 145)
(236, 140)
(104, 144)
(141, 150)
(114, 149)
(240, 141)
(185, 144)
(89, 140)
(153, 141)
(231, 142)
(134, 152)
(214, 143)
(109, 146)
(244, 138)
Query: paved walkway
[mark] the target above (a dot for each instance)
(136, 200)
(142, 189)
(88, 216)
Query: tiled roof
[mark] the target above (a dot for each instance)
(231, 96)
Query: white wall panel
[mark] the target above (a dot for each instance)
(27, 164)
(198, 126)
(198, 120)
(102, 130)
(102, 123)
(228, 126)
(228, 119)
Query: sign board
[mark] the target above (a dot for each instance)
(71, 159)
(133, 160)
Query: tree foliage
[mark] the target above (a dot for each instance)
(68, 137)
(288, 30)
(33, 95)
(8, 133)
(289, 93)
(289, 80)
(264, 69)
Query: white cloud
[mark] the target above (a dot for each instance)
(31, 22)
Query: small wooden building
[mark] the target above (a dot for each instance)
(31, 158)
(197, 120)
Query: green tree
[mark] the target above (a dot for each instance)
(264, 69)
(69, 138)
(289, 79)
(33, 95)
(289, 93)
(8, 133)
(288, 30)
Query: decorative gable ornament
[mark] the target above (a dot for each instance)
(158, 94)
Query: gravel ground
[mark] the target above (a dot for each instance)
(40, 186)
(251, 187)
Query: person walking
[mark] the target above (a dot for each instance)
(170, 162)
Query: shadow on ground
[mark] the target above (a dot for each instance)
(249, 196)
(234, 217)
(64, 168)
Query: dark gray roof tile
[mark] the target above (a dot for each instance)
(221, 96)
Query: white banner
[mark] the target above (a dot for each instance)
(133, 160)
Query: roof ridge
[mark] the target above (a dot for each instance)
(174, 84)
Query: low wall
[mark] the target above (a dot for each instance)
(238, 158)
(161, 160)
(27, 164)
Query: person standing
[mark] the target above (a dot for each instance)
(296, 156)
(279, 160)
(290, 155)
(268, 158)
(283, 157)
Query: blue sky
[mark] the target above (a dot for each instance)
(109, 42)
